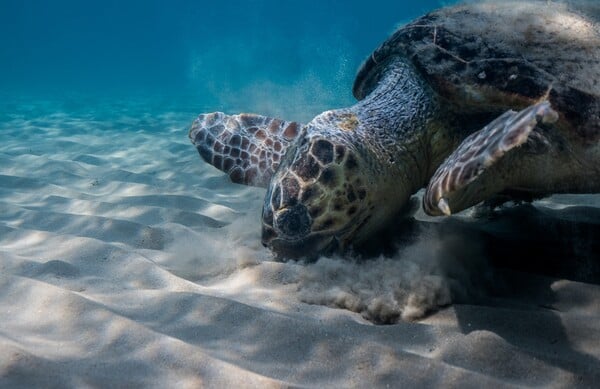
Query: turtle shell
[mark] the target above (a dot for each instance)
(500, 55)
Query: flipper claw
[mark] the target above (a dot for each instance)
(444, 207)
(458, 181)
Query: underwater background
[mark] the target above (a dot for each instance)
(126, 261)
(291, 58)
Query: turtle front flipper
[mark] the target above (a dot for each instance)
(460, 181)
(247, 147)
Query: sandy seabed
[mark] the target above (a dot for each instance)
(127, 262)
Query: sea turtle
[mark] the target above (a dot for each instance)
(469, 101)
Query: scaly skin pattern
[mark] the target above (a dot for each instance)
(351, 170)
(521, 76)
(247, 147)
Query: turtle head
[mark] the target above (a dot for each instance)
(317, 200)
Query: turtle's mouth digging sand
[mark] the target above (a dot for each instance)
(317, 201)
(287, 234)
(309, 245)
(307, 248)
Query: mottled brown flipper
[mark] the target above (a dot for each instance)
(455, 185)
(247, 147)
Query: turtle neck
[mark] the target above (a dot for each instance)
(393, 121)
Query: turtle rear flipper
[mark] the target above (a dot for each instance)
(247, 147)
(459, 182)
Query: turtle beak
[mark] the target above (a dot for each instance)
(308, 249)
(292, 222)
(287, 232)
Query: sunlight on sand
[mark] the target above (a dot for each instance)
(124, 258)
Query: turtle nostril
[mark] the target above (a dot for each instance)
(293, 222)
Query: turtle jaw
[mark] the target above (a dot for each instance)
(309, 247)
(288, 234)
(304, 243)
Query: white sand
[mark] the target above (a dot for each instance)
(127, 262)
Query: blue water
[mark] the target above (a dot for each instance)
(277, 56)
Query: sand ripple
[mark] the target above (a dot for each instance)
(125, 261)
